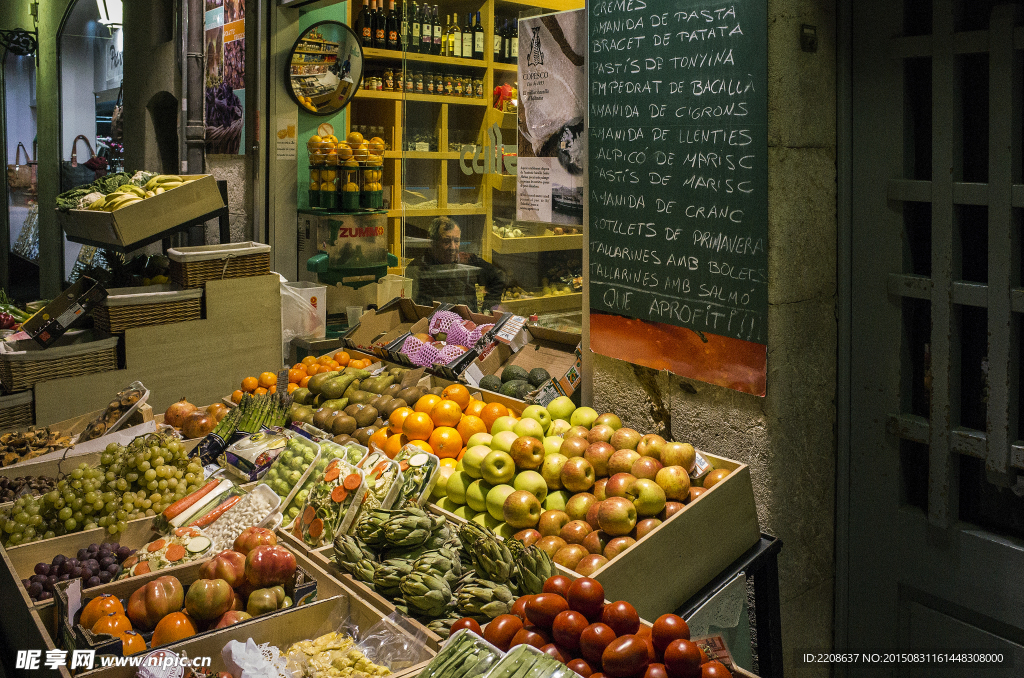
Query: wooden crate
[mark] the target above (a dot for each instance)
(685, 552)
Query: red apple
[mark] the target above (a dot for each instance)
(621, 485)
(596, 541)
(617, 546)
(575, 532)
(599, 490)
(600, 434)
(550, 544)
(592, 514)
(695, 492)
(529, 536)
(609, 419)
(528, 453)
(671, 508)
(570, 555)
(625, 439)
(598, 454)
(617, 516)
(650, 498)
(573, 447)
(622, 461)
(679, 454)
(579, 504)
(551, 522)
(646, 526)
(577, 432)
(646, 467)
(591, 563)
(651, 445)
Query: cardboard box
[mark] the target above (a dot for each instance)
(149, 217)
(685, 552)
(557, 352)
(70, 598)
(75, 303)
(377, 329)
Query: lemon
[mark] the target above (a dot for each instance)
(314, 186)
(330, 175)
(350, 187)
(354, 139)
(343, 150)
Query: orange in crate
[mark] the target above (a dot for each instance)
(250, 384)
(470, 425)
(457, 393)
(474, 408)
(378, 438)
(398, 417)
(296, 375)
(268, 379)
(426, 403)
(342, 358)
(236, 397)
(394, 443)
(418, 426)
(491, 412)
(446, 413)
(446, 442)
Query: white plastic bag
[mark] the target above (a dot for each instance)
(298, 319)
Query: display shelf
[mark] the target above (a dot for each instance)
(557, 5)
(552, 302)
(502, 182)
(426, 98)
(422, 155)
(503, 119)
(539, 243)
(372, 53)
(437, 212)
(505, 68)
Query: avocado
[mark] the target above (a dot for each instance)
(491, 382)
(538, 375)
(517, 388)
(512, 373)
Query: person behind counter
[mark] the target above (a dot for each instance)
(447, 275)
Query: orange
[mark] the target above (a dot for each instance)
(445, 413)
(324, 359)
(308, 360)
(292, 387)
(98, 607)
(295, 376)
(457, 393)
(250, 384)
(393, 445)
(446, 442)
(449, 462)
(469, 425)
(260, 391)
(268, 379)
(172, 628)
(236, 397)
(305, 381)
(272, 389)
(343, 358)
(418, 426)
(313, 369)
(423, 445)
(491, 412)
(462, 453)
(299, 366)
(379, 437)
(334, 365)
(397, 417)
(426, 403)
(114, 623)
(474, 407)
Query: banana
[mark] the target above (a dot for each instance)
(169, 185)
(168, 178)
(158, 190)
(97, 204)
(150, 194)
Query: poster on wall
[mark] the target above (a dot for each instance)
(225, 76)
(678, 189)
(552, 163)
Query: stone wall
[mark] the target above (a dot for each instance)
(788, 437)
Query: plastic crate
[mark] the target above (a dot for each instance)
(24, 363)
(193, 266)
(128, 307)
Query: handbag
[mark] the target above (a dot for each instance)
(72, 174)
(117, 117)
(21, 176)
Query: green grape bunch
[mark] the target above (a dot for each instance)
(136, 481)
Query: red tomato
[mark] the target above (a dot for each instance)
(227, 565)
(558, 584)
(519, 608)
(567, 627)
(586, 595)
(655, 670)
(251, 537)
(622, 617)
(531, 635)
(669, 627)
(208, 599)
(625, 656)
(556, 652)
(682, 659)
(581, 667)
(502, 630)
(594, 639)
(715, 670)
(542, 609)
(154, 601)
(467, 623)
(270, 566)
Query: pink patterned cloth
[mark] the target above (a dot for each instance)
(441, 321)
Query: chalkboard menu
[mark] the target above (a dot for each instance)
(678, 157)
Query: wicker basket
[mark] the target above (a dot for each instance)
(16, 410)
(24, 363)
(193, 266)
(128, 307)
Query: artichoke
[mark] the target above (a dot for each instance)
(388, 576)
(533, 568)
(493, 559)
(443, 562)
(353, 559)
(409, 527)
(370, 529)
(484, 600)
(426, 594)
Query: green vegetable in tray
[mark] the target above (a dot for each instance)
(331, 504)
(419, 474)
(289, 466)
(382, 474)
(464, 655)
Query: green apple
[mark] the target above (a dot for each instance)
(443, 474)
(487, 520)
(532, 482)
(473, 459)
(505, 531)
(465, 512)
(529, 427)
(521, 510)
(556, 501)
(478, 439)
(448, 505)
(459, 466)
(583, 416)
(504, 440)
(551, 470)
(558, 427)
(500, 424)
(496, 499)
(498, 468)
(552, 444)
(457, 486)
(539, 414)
(562, 407)
(476, 495)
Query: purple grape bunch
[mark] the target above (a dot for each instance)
(94, 565)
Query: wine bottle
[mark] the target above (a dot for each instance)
(467, 37)
(497, 52)
(364, 25)
(426, 32)
(413, 44)
(478, 39)
(455, 38)
(513, 51)
(393, 27)
(380, 31)
(437, 31)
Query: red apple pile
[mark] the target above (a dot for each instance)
(571, 622)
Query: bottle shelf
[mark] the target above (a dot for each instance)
(426, 98)
(371, 53)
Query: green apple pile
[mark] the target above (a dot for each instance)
(578, 484)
